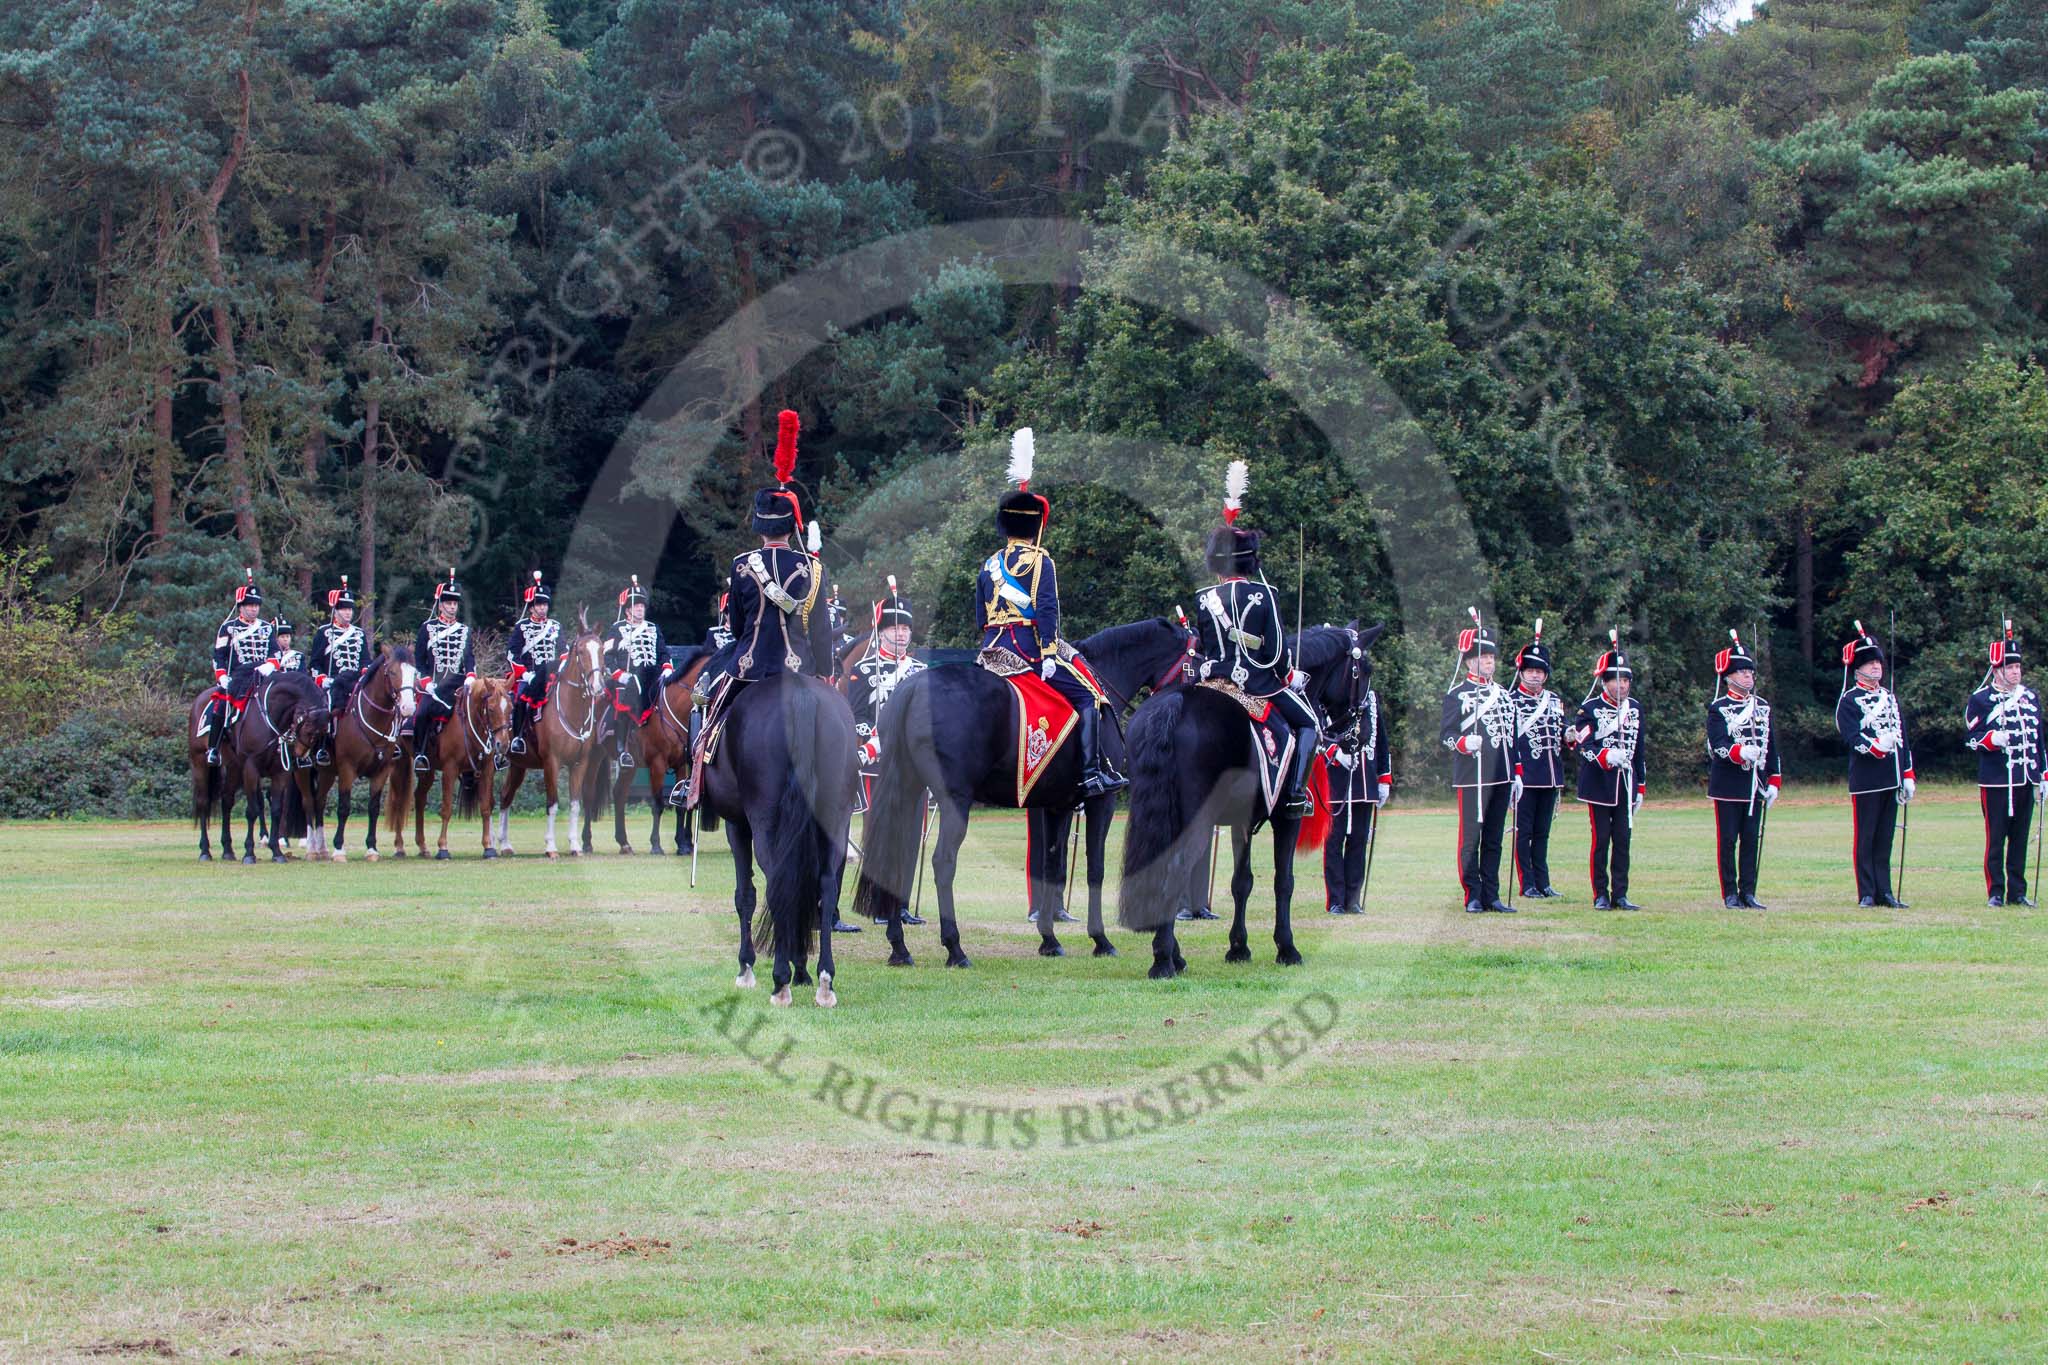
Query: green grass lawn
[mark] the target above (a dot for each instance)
(362, 1111)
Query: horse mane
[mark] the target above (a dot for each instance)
(1319, 646)
(1115, 639)
(392, 656)
(301, 688)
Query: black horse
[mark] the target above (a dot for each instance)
(287, 720)
(1049, 830)
(782, 778)
(952, 730)
(1192, 768)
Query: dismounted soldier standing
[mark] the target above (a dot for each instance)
(636, 658)
(1017, 611)
(1479, 730)
(241, 653)
(1868, 718)
(339, 650)
(1243, 639)
(532, 649)
(445, 655)
(1539, 766)
(2004, 723)
(875, 678)
(1743, 775)
(1613, 772)
(1360, 764)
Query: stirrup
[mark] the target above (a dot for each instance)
(518, 745)
(623, 759)
(321, 758)
(679, 794)
(213, 757)
(419, 763)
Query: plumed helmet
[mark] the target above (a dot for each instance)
(1022, 514)
(536, 591)
(340, 597)
(1733, 659)
(1231, 549)
(450, 591)
(1533, 654)
(777, 510)
(246, 591)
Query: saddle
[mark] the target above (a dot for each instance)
(1044, 721)
(1272, 740)
(705, 749)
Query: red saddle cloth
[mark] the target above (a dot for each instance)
(1044, 720)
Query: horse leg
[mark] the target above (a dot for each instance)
(828, 915)
(1285, 834)
(252, 801)
(551, 774)
(1165, 952)
(377, 790)
(488, 777)
(344, 800)
(622, 789)
(1045, 871)
(276, 807)
(945, 859)
(579, 836)
(741, 840)
(655, 772)
(1101, 812)
(449, 778)
(514, 780)
(1240, 891)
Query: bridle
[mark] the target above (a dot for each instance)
(1182, 666)
(581, 647)
(1354, 681)
(484, 740)
(287, 739)
(363, 716)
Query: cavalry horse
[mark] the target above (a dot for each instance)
(366, 747)
(661, 747)
(282, 723)
(465, 757)
(953, 730)
(781, 776)
(562, 739)
(1192, 768)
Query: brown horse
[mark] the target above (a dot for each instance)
(464, 755)
(661, 747)
(562, 739)
(284, 721)
(367, 748)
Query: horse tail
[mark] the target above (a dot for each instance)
(466, 800)
(1315, 827)
(895, 821)
(206, 784)
(295, 825)
(1160, 859)
(796, 863)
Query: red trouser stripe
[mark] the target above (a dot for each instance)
(1461, 847)
(1984, 800)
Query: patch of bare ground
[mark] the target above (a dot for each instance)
(612, 1247)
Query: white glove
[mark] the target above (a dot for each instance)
(1296, 680)
(870, 750)
(1515, 790)
(1906, 789)
(1342, 759)
(1998, 739)
(2041, 790)
(1047, 667)
(1637, 804)
(1387, 792)
(265, 669)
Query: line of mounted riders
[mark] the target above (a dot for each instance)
(1217, 721)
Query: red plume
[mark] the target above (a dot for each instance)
(786, 427)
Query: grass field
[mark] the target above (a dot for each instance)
(467, 1110)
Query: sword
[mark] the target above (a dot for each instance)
(690, 823)
(1902, 811)
(917, 900)
(1372, 839)
(1209, 896)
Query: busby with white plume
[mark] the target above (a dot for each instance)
(1232, 549)
(246, 590)
(1858, 652)
(340, 597)
(1533, 654)
(450, 591)
(632, 593)
(1733, 659)
(1022, 514)
(777, 512)
(1612, 664)
(537, 591)
(893, 609)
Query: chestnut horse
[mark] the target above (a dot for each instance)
(366, 749)
(465, 755)
(562, 739)
(661, 747)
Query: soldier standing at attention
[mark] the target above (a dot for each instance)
(1743, 776)
(2003, 719)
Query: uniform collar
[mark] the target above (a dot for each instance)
(1739, 694)
(883, 650)
(1472, 677)
(1609, 697)
(1870, 686)
(782, 544)
(2019, 686)
(1523, 688)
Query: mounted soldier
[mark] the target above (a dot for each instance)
(1613, 771)
(282, 648)
(532, 649)
(340, 649)
(1744, 773)
(1242, 638)
(1478, 727)
(1017, 611)
(636, 659)
(875, 678)
(446, 657)
(1868, 719)
(1539, 766)
(241, 654)
(2003, 718)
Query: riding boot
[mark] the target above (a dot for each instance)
(1096, 779)
(680, 793)
(214, 725)
(623, 737)
(424, 732)
(522, 721)
(1295, 802)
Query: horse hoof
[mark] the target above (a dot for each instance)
(553, 856)
(958, 959)
(1050, 947)
(279, 858)
(1104, 948)
(248, 860)
(1238, 953)
(825, 997)
(442, 856)
(337, 857)
(206, 857)
(1288, 957)
(490, 853)
(745, 980)
(1180, 964)
(625, 850)
(1161, 971)
(371, 856)
(656, 852)
(780, 999)
(685, 850)
(899, 958)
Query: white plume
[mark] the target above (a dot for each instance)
(814, 536)
(1022, 451)
(1539, 627)
(1235, 480)
(892, 585)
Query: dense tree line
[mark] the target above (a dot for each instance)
(1698, 327)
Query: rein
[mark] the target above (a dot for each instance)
(589, 706)
(363, 719)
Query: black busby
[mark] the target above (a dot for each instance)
(1734, 658)
(2006, 649)
(776, 510)
(451, 591)
(1612, 663)
(1533, 654)
(1022, 514)
(281, 625)
(246, 591)
(1476, 639)
(1233, 549)
(536, 591)
(894, 609)
(1862, 650)
(632, 593)
(340, 597)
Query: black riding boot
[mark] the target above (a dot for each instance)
(522, 723)
(1295, 802)
(1097, 777)
(623, 738)
(215, 724)
(424, 732)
